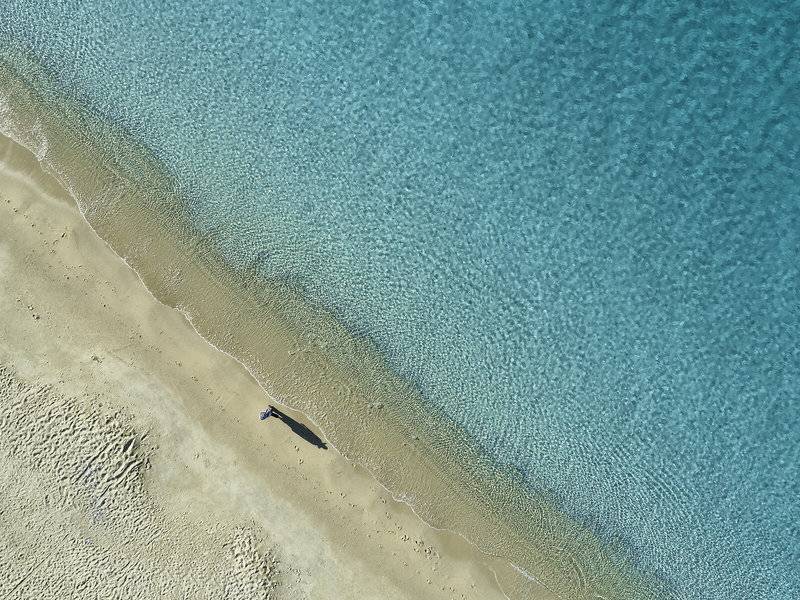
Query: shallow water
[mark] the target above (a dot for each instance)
(574, 230)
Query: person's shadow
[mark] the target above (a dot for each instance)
(300, 429)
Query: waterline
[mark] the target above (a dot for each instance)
(303, 357)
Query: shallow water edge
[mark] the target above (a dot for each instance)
(305, 359)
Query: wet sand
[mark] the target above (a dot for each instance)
(286, 349)
(132, 459)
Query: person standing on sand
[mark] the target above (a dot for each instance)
(266, 414)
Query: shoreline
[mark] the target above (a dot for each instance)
(157, 386)
(566, 573)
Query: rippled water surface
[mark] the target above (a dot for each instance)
(576, 228)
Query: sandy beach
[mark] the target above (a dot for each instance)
(132, 459)
(399, 301)
(184, 349)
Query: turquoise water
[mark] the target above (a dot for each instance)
(575, 227)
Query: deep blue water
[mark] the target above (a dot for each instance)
(576, 227)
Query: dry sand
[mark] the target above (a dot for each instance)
(132, 460)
